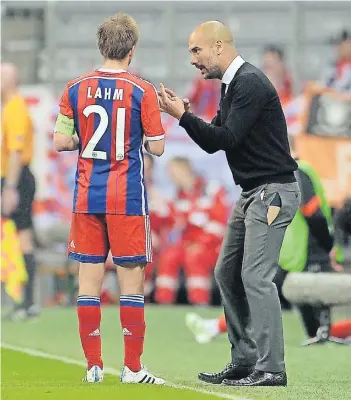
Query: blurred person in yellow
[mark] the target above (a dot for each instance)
(13, 271)
(17, 181)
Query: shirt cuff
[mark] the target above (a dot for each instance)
(154, 138)
(185, 119)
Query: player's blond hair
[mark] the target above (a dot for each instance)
(117, 36)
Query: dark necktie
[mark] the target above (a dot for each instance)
(223, 88)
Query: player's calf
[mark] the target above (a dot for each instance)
(89, 312)
(131, 278)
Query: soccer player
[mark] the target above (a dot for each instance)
(105, 115)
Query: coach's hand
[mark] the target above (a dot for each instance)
(170, 103)
(172, 96)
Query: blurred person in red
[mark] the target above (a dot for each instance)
(200, 212)
(161, 221)
(204, 97)
(273, 65)
(338, 75)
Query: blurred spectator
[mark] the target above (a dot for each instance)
(338, 75)
(204, 97)
(273, 65)
(17, 180)
(200, 214)
(160, 221)
(343, 219)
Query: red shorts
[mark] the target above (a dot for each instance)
(127, 236)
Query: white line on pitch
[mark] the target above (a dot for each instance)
(112, 371)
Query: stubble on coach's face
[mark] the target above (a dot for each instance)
(204, 56)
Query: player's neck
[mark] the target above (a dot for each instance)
(115, 65)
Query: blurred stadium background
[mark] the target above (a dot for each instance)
(53, 42)
(304, 47)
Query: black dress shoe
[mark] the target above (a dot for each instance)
(230, 372)
(260, 378)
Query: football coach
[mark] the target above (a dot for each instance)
(250, 128)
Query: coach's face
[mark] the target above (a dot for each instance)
(205, 55)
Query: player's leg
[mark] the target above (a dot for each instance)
(88, 244)
(131, 278)
(130, 241)
(167, 274)
(148, 281)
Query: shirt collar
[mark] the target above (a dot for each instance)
(114, 71)
(232, 69)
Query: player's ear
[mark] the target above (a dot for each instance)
(131, 53)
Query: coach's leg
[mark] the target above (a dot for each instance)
(263, 242)
(228, 277)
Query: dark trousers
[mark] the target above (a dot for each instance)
(245, 269)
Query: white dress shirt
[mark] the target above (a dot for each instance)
(232, 70)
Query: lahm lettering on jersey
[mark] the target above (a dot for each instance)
(105, 93)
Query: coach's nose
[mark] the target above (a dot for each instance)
(193, 60)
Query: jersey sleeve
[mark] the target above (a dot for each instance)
(151, 115)
(65, 121)
(16, 126)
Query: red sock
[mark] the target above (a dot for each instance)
(341, 329)
(133, 325)
(222, 324)
(89, 317)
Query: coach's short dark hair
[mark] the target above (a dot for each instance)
(117, 36)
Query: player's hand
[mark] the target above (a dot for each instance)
(9, 201)
(172, 105)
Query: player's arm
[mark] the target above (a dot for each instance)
(65, 137)
(151, 121)
(310, 208)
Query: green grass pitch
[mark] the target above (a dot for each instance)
(320, 372)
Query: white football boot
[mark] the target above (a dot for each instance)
(94, 375)
(142, 376)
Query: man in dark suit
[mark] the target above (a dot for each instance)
(250, 128)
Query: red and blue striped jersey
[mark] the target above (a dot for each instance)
(112, 111)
